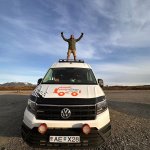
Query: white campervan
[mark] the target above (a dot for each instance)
(67, 109)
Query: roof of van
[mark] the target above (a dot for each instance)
(62, 63)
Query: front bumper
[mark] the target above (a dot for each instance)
(101, 120)
(92, 140)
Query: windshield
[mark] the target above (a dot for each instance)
(69, 76)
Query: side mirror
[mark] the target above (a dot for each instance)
(101, 82)
(39, 81)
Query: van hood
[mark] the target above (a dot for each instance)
(68, 91)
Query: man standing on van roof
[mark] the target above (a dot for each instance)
(71, 45)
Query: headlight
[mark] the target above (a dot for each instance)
(31, 106)
(101, 106)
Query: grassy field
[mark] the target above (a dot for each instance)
(16, 88)
(25, 88)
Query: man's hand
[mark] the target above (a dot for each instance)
(61, 32)
(82, 33)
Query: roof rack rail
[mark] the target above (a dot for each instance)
(71, 60)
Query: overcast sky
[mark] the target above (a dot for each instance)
(116, 40)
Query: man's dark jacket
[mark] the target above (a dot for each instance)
(72, 42)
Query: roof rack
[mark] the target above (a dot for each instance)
(71, 60)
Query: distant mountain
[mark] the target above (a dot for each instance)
(17, 84)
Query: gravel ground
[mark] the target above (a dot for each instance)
(129, 112)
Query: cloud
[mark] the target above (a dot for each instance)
(23, 74)
(36, 40)
(123, 74)
(133, 24)
(32, 40)
(116, 39)
(127, 22)
(18, 78)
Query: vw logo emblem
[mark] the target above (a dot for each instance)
(65, 113)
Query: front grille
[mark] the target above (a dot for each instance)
(81, 112)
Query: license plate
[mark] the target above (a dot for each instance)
(64, 139)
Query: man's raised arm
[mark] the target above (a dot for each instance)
(62, 35)
(79, 37)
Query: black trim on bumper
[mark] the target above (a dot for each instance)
(92, 140)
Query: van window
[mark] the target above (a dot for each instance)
(69, 76)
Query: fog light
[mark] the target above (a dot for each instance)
(42, 128)
(86, 129)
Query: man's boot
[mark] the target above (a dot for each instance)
(67, 58)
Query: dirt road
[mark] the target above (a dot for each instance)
(129, 112)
